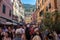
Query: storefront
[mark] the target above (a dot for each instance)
(7, 22)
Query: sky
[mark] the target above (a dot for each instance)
(28, 2)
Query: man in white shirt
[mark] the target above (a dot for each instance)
(20, 30)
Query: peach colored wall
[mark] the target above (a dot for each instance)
(53, 6)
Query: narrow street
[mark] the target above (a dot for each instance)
(29, 19)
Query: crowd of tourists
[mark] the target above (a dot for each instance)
(27, 32)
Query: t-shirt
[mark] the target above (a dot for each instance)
(20, 30)
(31, 31)
(17, 38)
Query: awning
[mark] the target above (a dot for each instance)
(22, 23)
(8, 23)
(14, 24)
(6, 19)
(14, 21)
(1, 22)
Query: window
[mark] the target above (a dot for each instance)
(20, 17)
(3, 8)
(49, 5)
(45, 0)
(48, 15)
(41, 13)
(38, 1)
(19, 5)
(38, 7)
(46, 8)
(31, 18)
(42, 2)
(10, 13)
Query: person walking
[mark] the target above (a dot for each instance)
(6, 37)
(27, 32)
(23, 33)
(18, 36)
(10, 33)
(36, 37)
(1, 35)
(58, 36)
(55, 35)
(31, 31)
(21, 30)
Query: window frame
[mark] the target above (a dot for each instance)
(3, 8)
(10, 13)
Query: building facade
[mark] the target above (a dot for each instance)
(28, 17)
(38, 4)
(43, 6)
(34, 17)
(5, 11)
(11, 11)
(18, 10)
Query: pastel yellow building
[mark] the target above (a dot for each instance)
(18, 9)
(28, 19)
